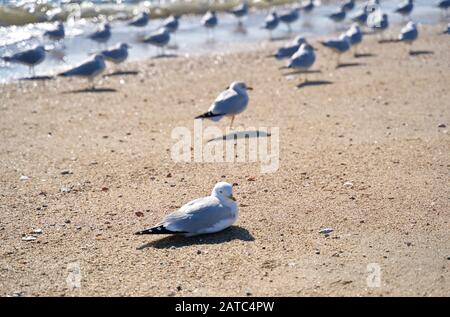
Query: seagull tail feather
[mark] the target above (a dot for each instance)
(156, 230)
(208, 114)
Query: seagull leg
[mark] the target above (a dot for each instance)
(232, 120)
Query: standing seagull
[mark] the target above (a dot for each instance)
(339, 46)
(355, 35)
(56, 34)
(348, 6)
(290, 49)
(89, 69)
(159, 39)
(307, 6)
(338, 16)
(171, 24)
(378, 21)
(102, 35)
(209, 21)
(117, 54)
(409, 33)
(444, 5)
(361, 15)
(201, 216)
(271, 22)
(405, 8)
(290, 17)
(303, 59)
(240, 11)
(30, 58)
(140, 20)
(230, 102)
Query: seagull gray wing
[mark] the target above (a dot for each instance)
(229, 102)
(89, 68)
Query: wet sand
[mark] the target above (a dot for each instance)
(366, 154)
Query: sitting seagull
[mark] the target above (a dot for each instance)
(30, 58)
(356, 36)
(405, 8)
(303, 59)
(117, 54)
(201, 216)
(140, 20)
(290, 49)
(102, 35)
(307, 6)
(338, 16)
(56, 34)
(348, 6)
(89, 69)
(230, 102)
(209, 21)
(159, 39)
(409, 33)
(290, 17)
(240, 11)
(271, 22)
(339, 46)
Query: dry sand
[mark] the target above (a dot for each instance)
(375, 125)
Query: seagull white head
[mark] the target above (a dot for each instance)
(306, 47)
(240, 86)
(223, 191)
(299, 40)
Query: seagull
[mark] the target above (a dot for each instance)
(290, 49)
(378, 21)
(201, 216)
(405, 8)
(348, 6)
(447, 31)
(102, 35)
(290, 17)
(30, 58)
(338, 16)
(56, 34)
(117, 54)
(230, 102)
(159, 39)
(171, 23)
(444, 4)
(89, 69)
(339, 45)
(271, 22)
(209, 21)
(307, 6)
(240, 11)
(303, 59)
(361, 16)
(355, 35)
(140, 20)
(409, 33)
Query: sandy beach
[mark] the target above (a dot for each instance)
(364, 150)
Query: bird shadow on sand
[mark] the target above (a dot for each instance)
(37, 78)
(122, 73)
(345, 65)
(388, 41)
(90, 90)
(249, 134)
(164, 56)
(418, 53)
(364, 55)
(299, 72)
(175, 242)
(312, 83)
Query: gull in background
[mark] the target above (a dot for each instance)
(338, 16)
(447, 31)
(444, 5)
(307, 6)
(290, 17)
(140, 20)
(209, 21)
(409, 33)
(339, 46)
(117, 54)
(240, 11)
(405, 8)
(205, 215)
(303, 59)
(171, 24)
(229, 103)
(271, 22)
(378, 21)
(290, 49)
(159, 39)
(57, 33)
(103, 35)
(89, 69)
(356, 36)
(361, 15)
(348, 6)
(30, 58)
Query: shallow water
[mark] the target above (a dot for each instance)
(191, 38)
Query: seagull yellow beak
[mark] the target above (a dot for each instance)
(232, 198)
